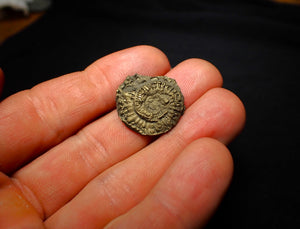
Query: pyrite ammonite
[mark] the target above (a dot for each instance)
(149, 105)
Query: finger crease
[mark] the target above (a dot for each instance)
(37, 104)
(170, 209)
(98, 151)
(117, 195)
(30, 196)
(101, 83)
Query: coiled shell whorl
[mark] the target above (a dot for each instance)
(149, 105)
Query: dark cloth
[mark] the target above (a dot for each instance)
(255, 45)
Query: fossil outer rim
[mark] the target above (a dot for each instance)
(149, 105)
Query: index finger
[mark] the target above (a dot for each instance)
(34, 120)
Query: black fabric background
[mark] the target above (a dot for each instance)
(255, 45)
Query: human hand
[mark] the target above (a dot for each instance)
(68, 161)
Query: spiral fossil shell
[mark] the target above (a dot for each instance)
(149, 105)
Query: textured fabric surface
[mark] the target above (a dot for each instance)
(255, 45)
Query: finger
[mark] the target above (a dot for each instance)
(188, 192)
(218, 114)
(195, 77)
(15, 210)
(33, 120)
(103, 143)
(1, 80)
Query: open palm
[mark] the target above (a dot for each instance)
(68, 161)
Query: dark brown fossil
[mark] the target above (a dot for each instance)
(149, 105)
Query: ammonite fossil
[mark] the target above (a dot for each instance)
(149, 105)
